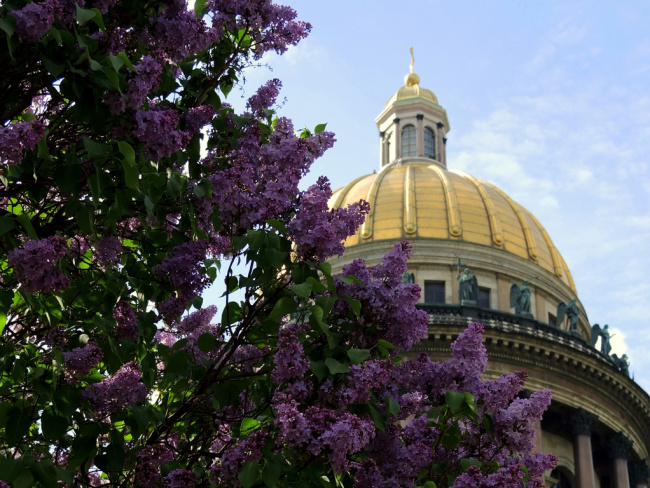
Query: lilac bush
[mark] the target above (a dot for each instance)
(113, 222)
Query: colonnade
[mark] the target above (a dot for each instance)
(622, 474)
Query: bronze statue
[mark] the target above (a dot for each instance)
(605, 336)
(520, 298)
(467, 286)
(571, 311)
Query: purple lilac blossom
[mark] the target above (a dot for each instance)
(225, 470)
(149, 461)
(181, 270)
(270, 26)
(126, 321)
(35, 265)
(107, 250)
(290, 359)
(18, 137)
(121, 390)
(181, 478)
(36, 18)
(264, 98)
(198, 117)
(318, 231)
(261, 180)
(157, 130)
(179, 33)
(145, 80)
(387, 304)
(103, 5)
(81, 360)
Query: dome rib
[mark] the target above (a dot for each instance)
(343, 192)
(557, 265)
(495, 224)
(410, 209)
(530, 240)
(453, 213)
(366, 228)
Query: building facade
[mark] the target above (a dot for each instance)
(478, 256)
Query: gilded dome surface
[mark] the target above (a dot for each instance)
(414, 90)
(427, 201)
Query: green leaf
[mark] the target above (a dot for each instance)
(131, 175)
(53, 68)
(84, 15)
(335, 366)
(6, 224)
(96, 148)
(454, 400)
(377, 417)
(203, 189)
(27, 225)
(319, 369)
(44, 473)
(3, 322)
(54, 425)
(284, 306)
(8, 24)
(116, 61)
(357, 356)
(249, 473)
(392, 407)
(355, 305)
(249, 425)
(429, 484)
(319, 128)
(271, 473)
(207, 342)
(302, 290)
(18, 424)
(466, 463)
(128, 152)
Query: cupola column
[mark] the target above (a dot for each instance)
(383, 149)
(581, 423)
(398, 139)
(419, 131)
(619, 446)
(440, 146)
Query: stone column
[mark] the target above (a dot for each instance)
(503, 293)
(454, 286)
(540, 305)
(538, 437)
(619, 445)
(440, 148)
(419, 135)
(581, 423)
(382, 149)
(398, 139)
(639, 473)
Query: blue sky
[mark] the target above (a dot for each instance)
(549, 101)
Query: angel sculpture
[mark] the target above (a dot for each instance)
(520, 298)
(467, 287)
(571, 311)
(605, 336)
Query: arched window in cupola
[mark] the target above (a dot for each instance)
(408, 141)
(429, 143)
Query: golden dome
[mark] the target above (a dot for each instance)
(414, 90)
(420, 201)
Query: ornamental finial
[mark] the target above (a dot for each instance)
(412, 59)
(411, 78)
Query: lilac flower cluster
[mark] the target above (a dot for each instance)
(158, 130)
(149, 461)
(264, 98)
(35, 265)
(103, 5)
(181, 270)
(323, 431)
(261, 181)
(270, 26)
(107, 250)
(226, 469)
(179, 33)
(319, 232)
(181, 478)
(19, 137)
(198, 117)
(387, 305)
(145, 80)
(121, 390)
(290, 359)
(36, 18)
(126, 321)
(81, 360)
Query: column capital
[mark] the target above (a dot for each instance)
(639, 473)
(581, 422)
(619, 445)
(419, 116)
(396, 120)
